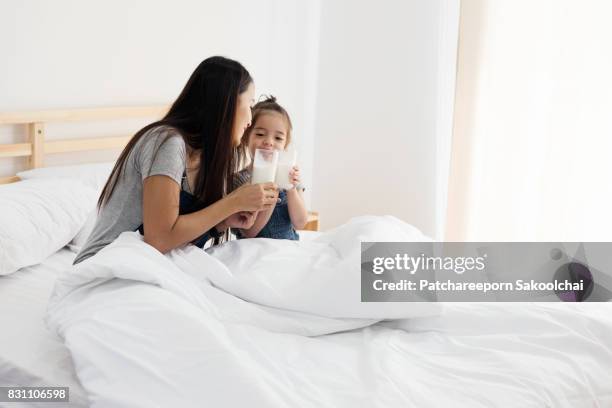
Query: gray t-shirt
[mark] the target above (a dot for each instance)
(123, 211)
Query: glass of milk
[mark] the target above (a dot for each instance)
(264, 166)
(286, 161)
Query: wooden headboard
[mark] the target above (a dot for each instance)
(37, 147)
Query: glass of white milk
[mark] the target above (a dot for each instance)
(264, 166)
(286, 161)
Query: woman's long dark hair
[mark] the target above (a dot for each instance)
(204, 116)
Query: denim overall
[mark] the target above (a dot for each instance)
(279, 226)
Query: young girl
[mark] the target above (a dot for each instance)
(270, 129)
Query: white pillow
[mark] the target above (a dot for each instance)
(38, 217)
(94, 175)
(81, 237)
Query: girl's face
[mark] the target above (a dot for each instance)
(242, 119)
(269, 133)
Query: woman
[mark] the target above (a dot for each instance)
(171, 179)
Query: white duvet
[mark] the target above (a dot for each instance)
(272, 323)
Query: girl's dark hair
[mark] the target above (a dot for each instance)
(203, 114)
(269, 104)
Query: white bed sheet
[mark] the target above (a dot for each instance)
(175, 331)
(474, 352)
(30, 354)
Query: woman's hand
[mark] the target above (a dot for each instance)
(254, 197)
(242, 220)
(294, 176)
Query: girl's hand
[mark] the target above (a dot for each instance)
(242, 220)
(294, 176)
(254, 197)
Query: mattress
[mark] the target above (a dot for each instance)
(30, 355)
(306, 235)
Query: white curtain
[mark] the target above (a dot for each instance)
(533, 122)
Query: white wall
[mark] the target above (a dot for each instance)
(386, 72)
(67, 54)
(380, 112)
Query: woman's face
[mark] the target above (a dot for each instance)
(242, 119)
(269, 133)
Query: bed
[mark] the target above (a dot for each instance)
(31, 355)
(266, 323)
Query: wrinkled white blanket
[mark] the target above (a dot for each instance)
(271, 323)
